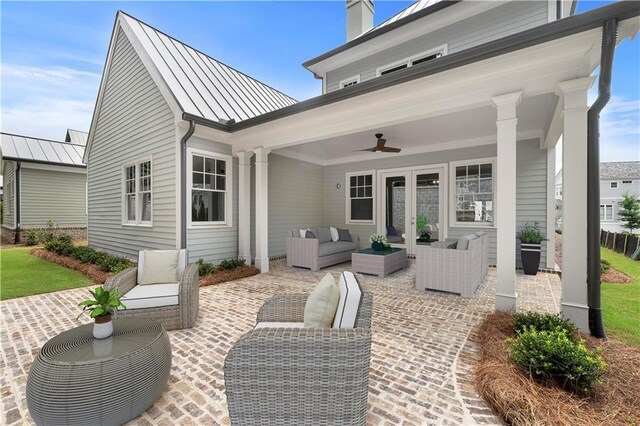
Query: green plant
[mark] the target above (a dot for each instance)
(110, 263)
(629, 212)
(604, 266)
(205, 268)
(86, 254)
(542, 322)
(49, 233)
(231, 264)
(377, 238)
(553, 355)
(31, 237)
(60, 247)
(103, 303)
(530, 234)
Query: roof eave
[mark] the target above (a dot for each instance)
(49, 163)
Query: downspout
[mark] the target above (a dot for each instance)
(183, 183)
(609, 38)
(16, 239)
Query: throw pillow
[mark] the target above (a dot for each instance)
(322, 303)
(309, 234)
(324, 234)
(463, 242)
(160, 266)
(334, 234)
(344, 235)
(303, 232)
(391, 230)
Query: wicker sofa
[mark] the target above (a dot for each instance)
(300, 376)
(174, 305)
(317, 253)
(448, 266)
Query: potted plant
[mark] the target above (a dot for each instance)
(421, 223)
(101, 307)
(530, 238)
(378, 241)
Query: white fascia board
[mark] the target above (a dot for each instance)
(430, 23)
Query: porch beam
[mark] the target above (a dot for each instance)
(244, 205)
(262, 209)
(506, 123)
(574, 201)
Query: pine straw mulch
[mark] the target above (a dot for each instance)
(228, 275)
(523, 401)
(614, 276)
(90, 270)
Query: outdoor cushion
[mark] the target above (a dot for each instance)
(183, 255)
(344, 235)
(334, 234)
(152, 296)
(391, 230)
(444, 244)
(325, 249)
(394, 239)
(463, 242)
(279, 325)
(349, 302)
(310, 234)
(324, 234)
(158, 267)
(320, 309)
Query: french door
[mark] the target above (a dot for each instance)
(412, 208)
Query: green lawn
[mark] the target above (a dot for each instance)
(621, 302)
(22, 274)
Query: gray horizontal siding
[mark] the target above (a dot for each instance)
(52, 195)
(215, 244)
(511, 18)
(134, 122)
(8, 197)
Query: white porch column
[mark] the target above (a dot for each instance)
(574, 201)
(506, 200)
(244, 205)
(262, 209)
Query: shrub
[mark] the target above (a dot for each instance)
(553, 355)
(604, 266)
(86, 254)
(228, 264)
(530, 234)
(110, 263)
(542, 322)
(205, 268)
(60, 247)
(49, 234)
(31, 237)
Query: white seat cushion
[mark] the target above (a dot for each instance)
(152, 296)
(279, 325)
(350, 294)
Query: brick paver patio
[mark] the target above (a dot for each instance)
(422, 356)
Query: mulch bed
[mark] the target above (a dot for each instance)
(90, 270)
(228, 275)
(616, 277)
(521, 400)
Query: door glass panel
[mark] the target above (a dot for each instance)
(395, 209)
(427, 204)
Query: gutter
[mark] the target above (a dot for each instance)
(609, 38)
(183, 182)
(49, 163)
(17, 201)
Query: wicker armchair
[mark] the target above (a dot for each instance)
(172, 317)
(300, 376)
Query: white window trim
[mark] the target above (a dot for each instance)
(228, 200)
(440, 49)
(355, 79)
(452, 193)
(613, 187)
(347, 195)
(604, 219)
(137, 222)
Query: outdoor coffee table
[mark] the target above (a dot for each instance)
(76, 379)
(380, 263)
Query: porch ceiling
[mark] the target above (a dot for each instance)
(459, 129)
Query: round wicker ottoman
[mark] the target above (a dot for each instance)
(79, 380)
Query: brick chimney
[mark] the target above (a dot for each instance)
(359, 17)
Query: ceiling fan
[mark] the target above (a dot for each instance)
(380, 146)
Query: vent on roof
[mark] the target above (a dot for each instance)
(414, 60)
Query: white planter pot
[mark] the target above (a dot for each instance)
(103, 330)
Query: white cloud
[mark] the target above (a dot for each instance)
(620, 130)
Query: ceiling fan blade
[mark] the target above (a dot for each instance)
(390, 149)
(368, 149)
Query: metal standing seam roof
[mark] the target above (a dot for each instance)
(23, 148)
(413, 8)
(620, 170)
(76, 137)
(203, 86)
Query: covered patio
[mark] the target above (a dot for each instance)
(423, 349)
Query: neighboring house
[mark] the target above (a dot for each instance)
(616, 178)
(44, 181)
(185, 151)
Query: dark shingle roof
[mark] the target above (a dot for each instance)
(620, 170)
(24, 148)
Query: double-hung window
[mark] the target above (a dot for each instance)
(137, 194)
(210, 189)
(360, 197)
(606, 212)
(473, 192)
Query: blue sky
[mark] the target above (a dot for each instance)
(53, 54)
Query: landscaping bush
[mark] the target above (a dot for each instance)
(86, 254)
(31, 237)
(542, 322)
(554, 355)
(60, 247)
(110, 263)
(604, 266)
(205, 268)
(229, 264)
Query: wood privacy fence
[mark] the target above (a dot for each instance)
(626, 244)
